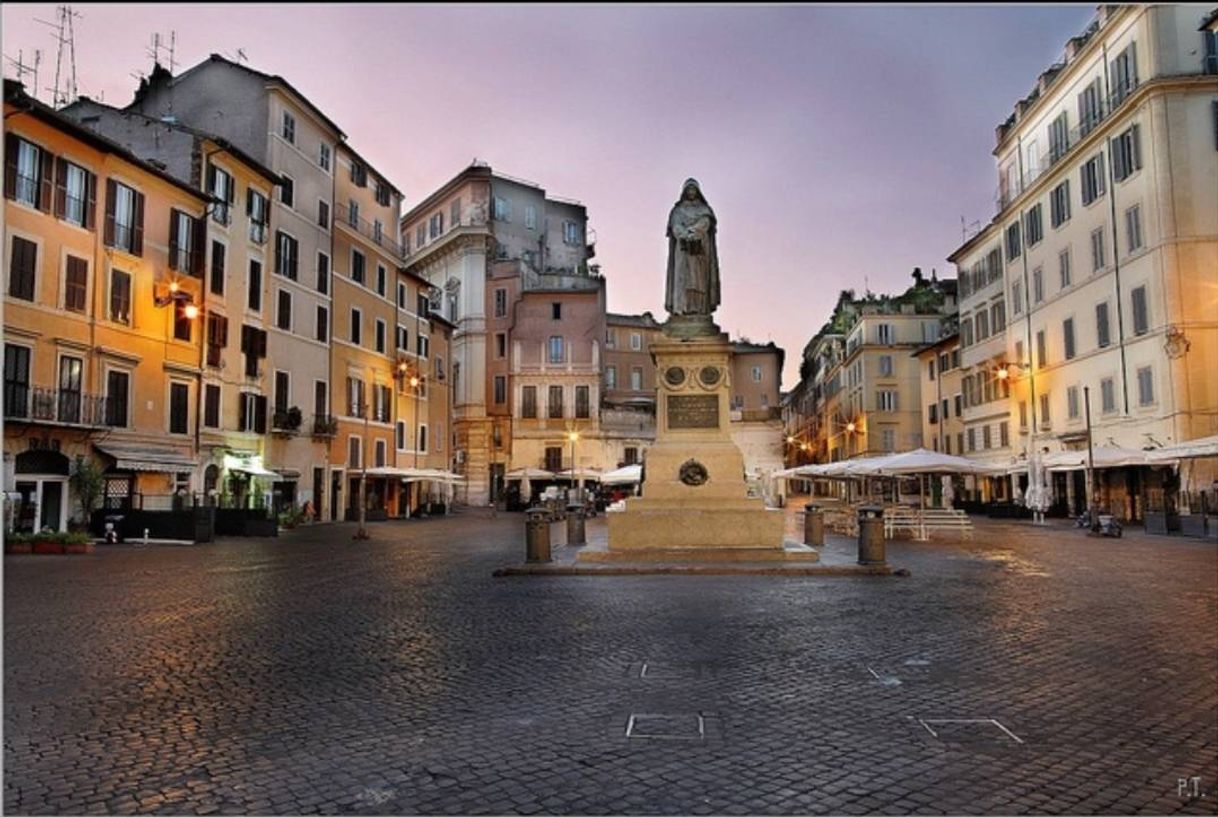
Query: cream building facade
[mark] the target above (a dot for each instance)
(1099, 276)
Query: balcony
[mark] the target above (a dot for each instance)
(324, 426)
(382, 238)
(25, 404)
(286, 422)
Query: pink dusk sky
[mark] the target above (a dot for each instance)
(837, 144)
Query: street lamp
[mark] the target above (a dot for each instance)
(573, 436)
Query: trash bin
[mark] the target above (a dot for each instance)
(871, 535)
(575, 524)
(814, 525)
(537, 535)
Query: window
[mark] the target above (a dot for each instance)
(254, 291)
(399, 435)
(1133, 228)
(32, 168)
(555, 403)
(500, 345)
(423, 345)
(283, 318)
(255, 208)
(323, 214)
(959, 405)
(1041, 357)
(636, 378)
(1090, 107)
(636, 342)
(530, 217)
(1035, 228)
(1013, 243)
(582, 402)
(1107, 395)
(420, 236)
(1141, 311)
(1038, 285)
(886, 400)
(972, 439)
(287, 258)
(323, 324)
(357, 266)
(981, 321)
(23, 269)
(1209, 63)
(355, 397)
(1068, 337)
(1045, 420)
(987, 437)
(966, 332)
(217, 338)
(1017, 298)
(220, 185)
(528, 402)
(1097, 249)
(1102, 336)
(500, 303)
(251, 414)
(381, 279)
(380, 335)
(757, 369)
(503, 209)
(556, 350)
(16, 380)
(120, 296)
(1126, 154)
(570, 233)
(998, 317)
(1072, 411)
(556, 311)
(610, 339)
(403, 338)
(211, 405)
(118, 392)
(1023, 414)
(554, 458)
(288, 130)
(885, 333)
(181, 323)
(287, 191)
(1059, 204)
(218, 259)
(454, 213)
(435, 225)
(359, 174)
(282, 395)
(356, 326)
(1063, 268)
(354, 447)
(323, 273)
(632, 455)
(930, 369)
(181, 242)
(382, 193)
(76, 283)
(1124, 74)
(888, 439)
(1059, 137)
(500, 389)
(124, 218)
(378, 459)
(382, 397)
(1093, 178)
(323, 156)
(75, 194)
(1146, 386)
(611, 377)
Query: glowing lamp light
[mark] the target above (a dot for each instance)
(414, 381)
(803, 446)
(790, 440)
(850, 426)
(191, 312)
(573, 436)
(173, 287)
(1003, 373)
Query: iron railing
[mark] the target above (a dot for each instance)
(58, 406)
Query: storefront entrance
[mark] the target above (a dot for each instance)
(41, 483)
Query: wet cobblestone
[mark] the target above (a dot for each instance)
(311, 674)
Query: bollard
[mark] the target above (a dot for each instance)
(814, 525)
(575, 525)
(536, 535)
(871, 535)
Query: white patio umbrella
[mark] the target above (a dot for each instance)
(625, 475)
(949, 491)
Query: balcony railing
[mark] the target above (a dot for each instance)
(53, 406)
(383, 238)
(1056, 153)
(324, 425)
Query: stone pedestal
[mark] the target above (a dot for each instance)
(695, 504)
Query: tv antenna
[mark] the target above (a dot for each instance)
(238, 56)
(21, 69)
(158, 45)
(64, 34)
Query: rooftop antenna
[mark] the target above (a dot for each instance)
(64, 34)
(22, 69)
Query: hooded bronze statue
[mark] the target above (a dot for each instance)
(693, 260)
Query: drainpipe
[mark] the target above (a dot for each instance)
(1027, 294)
(1116, 249)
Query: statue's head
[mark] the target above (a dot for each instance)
(691, 191)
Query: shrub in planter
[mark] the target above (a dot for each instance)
(18, 543)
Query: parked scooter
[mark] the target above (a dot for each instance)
(1105, 524)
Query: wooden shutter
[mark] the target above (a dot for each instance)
(198, 246)
(174, 216)
(137, 233)
(211, 178)
(90, 200)
(242, 413)
(223, 331)
(11, 146)
(61, 187)
(1136, 150)
(260, 414)
(111, 198)
(46, 188)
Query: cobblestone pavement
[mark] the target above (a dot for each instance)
(310, 674)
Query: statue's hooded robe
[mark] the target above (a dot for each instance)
(683, 266)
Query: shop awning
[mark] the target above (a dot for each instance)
(249, 464)
(1189, 450)
(153, 458)
(626, 475)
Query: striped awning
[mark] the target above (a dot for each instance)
(153, 458)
